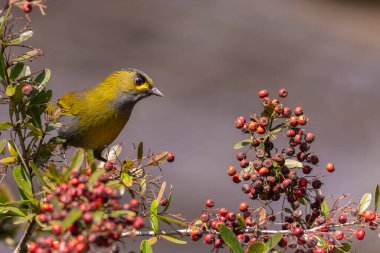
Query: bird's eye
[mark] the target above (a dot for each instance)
(139, 80)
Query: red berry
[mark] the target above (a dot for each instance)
(231, 171)
(309, 137)
(108, 166)
(236, 179)
(74, 181)
(263, 93)
(56, 229)
(330, 167)
(316, 184)
(278, 109)
(306, 169)
(298, 111)
(319, 250)
(253, 126)
(139, 223)
(243, 206)
(244, 163)
(293, 121)
(231, 216)
(342, 218)
(88, 217)
(134, 203)
(32, 247)
(170, 158)
(27, 8)
(240, 156)
(260, 130)
(223, 211)
(164, 201)
(27, 89)
(283, 93)
(209, 239)
(218, 243)
(339, 235)
(360, 234)
(263, 171)
(290, 133)
(369, 215)
(263, 121)
(209, 203)
(46, 207)
(286, 112)
(298, 232)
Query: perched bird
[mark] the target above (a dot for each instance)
(93, 118)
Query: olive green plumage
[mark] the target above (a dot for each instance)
(93, 118)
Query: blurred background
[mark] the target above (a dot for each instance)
(210, 58)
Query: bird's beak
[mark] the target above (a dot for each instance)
(156, 92)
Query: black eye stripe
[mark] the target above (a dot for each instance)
(139, 79)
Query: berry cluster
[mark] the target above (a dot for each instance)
(270, 172)
(83, 213)
(250, 225)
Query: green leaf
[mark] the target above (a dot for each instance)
(2, 63)
(291, 164)
(157, 159)
(24, 219)
(94, 177)
(54, 173)
(273, 241)
(71, 218)
(140, 151)
(37, 172)
(153, 215)
(3, 142)
(302, 201)
(11, 211)
(171, 220)
(7, 160)
(43, 77)
(365, 202)
(17, 70)
(377, 194)
(126, 178)
(123, 213)
(23, 182)
(145, 247)
(230, 239)
(325, 209)
(77, 159)
(257, 247)
(29, 55)
(10, 90)
(173, 239)
(5, 125)
(242, 143)
(21, 38)
(345, 247)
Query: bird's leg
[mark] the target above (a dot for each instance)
(98, 155)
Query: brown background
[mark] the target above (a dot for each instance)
(210, 58)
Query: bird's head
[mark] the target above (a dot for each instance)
(135, 84)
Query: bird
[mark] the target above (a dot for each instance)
(93, 118)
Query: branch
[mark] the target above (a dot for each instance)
(22, 247)
(185, 232)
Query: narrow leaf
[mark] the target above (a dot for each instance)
(157, 160)
(37, 172)
(17, 70)
(242, 143)
(153, 215)
(262, 216)
(3, 142)
(291, 164)
(21, 38)
(43, 77)
(257, 247)
(230, 239)
(377, 194)
(140, 151)
(29, 55)
(145, 247)
(126, 178)
(5, 125)
(71, 217)
(365, 202)
(23, 182)
(7, 160)
(161, 192)
(171, 220)
(77, 159)
(273, 241)
(173, 239)
(325, 209)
